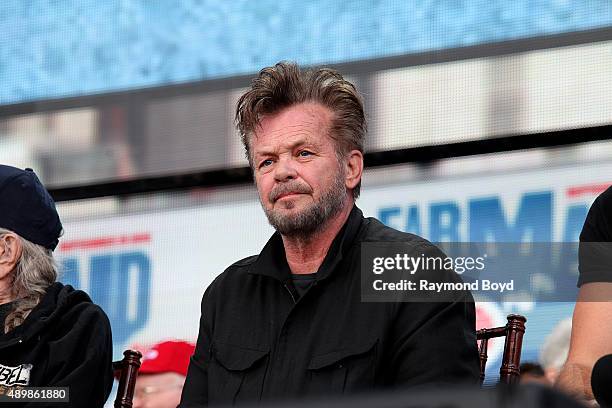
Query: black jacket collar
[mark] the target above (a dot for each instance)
(272, 261)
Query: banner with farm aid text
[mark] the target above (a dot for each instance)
(148, 271)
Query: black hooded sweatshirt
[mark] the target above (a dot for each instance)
(64, 342)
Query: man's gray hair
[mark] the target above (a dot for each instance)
(285, 85)
(34, 272)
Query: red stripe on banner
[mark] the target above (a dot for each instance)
(590, 189)
(104, 242)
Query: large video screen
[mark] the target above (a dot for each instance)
(70, 48)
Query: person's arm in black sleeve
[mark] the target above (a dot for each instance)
(434, 342)
(82, 359)
(195, 390)
(591, 324)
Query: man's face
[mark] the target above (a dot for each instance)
(158, 390)
(301, 184)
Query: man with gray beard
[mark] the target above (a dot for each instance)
(290, 322)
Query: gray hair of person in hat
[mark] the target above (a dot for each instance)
(33, 271)
(29, 231)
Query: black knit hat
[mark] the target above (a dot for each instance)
(26, 208)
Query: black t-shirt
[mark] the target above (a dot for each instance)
(595, 254)
(303, 281)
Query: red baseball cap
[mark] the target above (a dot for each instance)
(168, 356)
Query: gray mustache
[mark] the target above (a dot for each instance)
(288, 188)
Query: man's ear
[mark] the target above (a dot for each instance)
(10, 250)
(354, 169)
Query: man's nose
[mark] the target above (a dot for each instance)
(285, 169)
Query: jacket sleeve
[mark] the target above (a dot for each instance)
(83, 361)
(195, 390)
(434, 343)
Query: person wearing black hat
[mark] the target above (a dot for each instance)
(52, 335)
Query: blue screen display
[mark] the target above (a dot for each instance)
(55, 49)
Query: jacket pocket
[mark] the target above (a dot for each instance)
(236, 373)
(349, 369)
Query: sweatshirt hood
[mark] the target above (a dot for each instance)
(56, 305)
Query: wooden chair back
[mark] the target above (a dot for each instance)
(126, 371)
(513, 331)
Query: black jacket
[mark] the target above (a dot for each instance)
(257, 343)
(67, 341)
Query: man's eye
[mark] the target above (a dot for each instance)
(265, 163)
(305, 153)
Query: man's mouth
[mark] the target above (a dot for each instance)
(288, 195)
